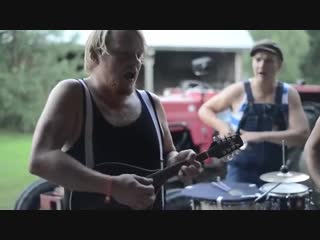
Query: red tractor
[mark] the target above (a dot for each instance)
(181, 105)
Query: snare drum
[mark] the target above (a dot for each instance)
(287, 196)
(207, 196)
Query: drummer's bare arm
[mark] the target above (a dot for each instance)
(312, 154)
(219, 103)
(298, 130)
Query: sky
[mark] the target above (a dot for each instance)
(83, 35)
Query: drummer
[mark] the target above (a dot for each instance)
(264, 110)
(312, 154)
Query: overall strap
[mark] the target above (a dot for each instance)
(247, 88)
(279, 92)
(146, 98)
(250, 99)
(152, 110)
(278, 114)
(89, 158)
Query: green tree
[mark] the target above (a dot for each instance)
(311, 65)
(295, 45)
(31, 64)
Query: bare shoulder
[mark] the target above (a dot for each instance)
(158, 105)
(155, 98)
(293, 94)
(168, 143)
(226, 97)
(234, 90)
(64, 101)
(231, 92)
(65, 96)
(58, 121)
(66, 88)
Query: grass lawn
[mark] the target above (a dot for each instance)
(14, 158)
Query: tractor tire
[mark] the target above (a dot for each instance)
(29, 199)
(312, 111)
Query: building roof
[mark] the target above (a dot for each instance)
(199, 40)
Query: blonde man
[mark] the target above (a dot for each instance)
(124, 128)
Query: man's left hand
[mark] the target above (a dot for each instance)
(193, 169)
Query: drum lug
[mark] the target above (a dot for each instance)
(288, 202)
(310, 191)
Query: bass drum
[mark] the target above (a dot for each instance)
(175, 200)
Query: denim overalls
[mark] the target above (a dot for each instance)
(262, 157)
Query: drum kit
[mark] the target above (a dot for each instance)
(282, 191)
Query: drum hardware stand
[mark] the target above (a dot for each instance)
(284, 168)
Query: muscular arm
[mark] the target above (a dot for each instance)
(298, 129)
(54, 128)
(219, 103)
(312, 154)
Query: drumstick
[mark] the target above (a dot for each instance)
(266, 192)
(220, 186)
(225, 185)
(250, 196)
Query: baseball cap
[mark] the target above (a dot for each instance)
(268, 46)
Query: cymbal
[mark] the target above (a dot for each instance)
(289, 177)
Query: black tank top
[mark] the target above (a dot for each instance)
(135, 144)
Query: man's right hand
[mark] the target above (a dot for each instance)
(134, 191)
